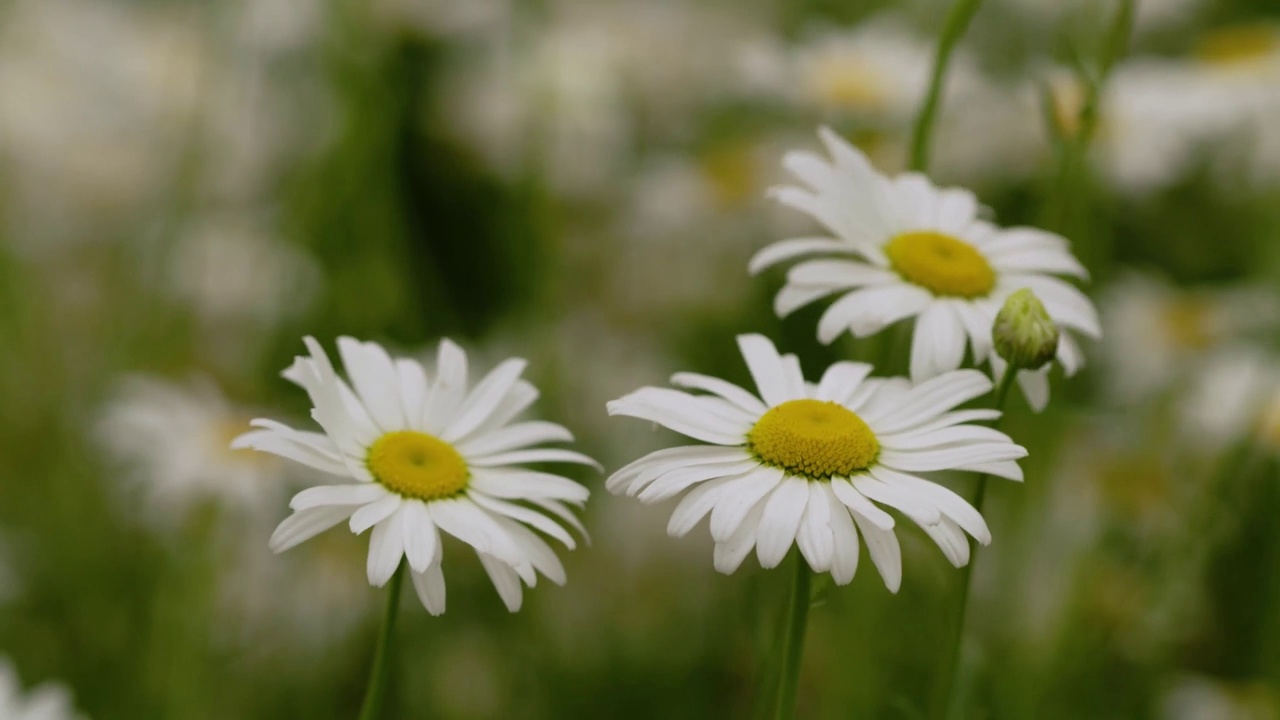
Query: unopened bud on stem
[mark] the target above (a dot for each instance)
(1023, 333)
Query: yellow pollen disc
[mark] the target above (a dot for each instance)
(845, 83)
(1240, 45)
(1189, 323)
(941, 264)
(814, 438)
(417, 465)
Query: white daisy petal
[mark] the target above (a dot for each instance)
(516, 436)
(512, 484)
(860, 505)
(841, 381)
(952, 505)
(421, 538)
(413, 391)
(951, 540)
(695, 506)
(938, 342)
(885, 553)
(913, 506)
(375, 512)
(677, 481)
(815, 538)
(539, 553)
(931, 398)
(780, 521)
(538, 455)
(839, 274)
(844, 553)
(957, 458)
(729, 554)
(728, 516)
(532, 518)
(376, 381)
(727, 390)
(386, 548)
(449, 388)
(649, 467)
(793, 297)
(429, 586)
(323, 495)
(789, 249)
(696, 417)
(505, 581)
(484, 399)
(1008, 469)
(766, 366)
(870, 310)
(289, 448)
(518, 399)
(306, 524)
(1035, 386)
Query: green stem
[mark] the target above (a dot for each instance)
(957, 22)
(377, 688)
(1075, 147)
(945, 700)
(793, 642)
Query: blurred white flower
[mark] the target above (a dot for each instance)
(1198, 697)
(232, 269)
(1237, 70)
(1153, 119)
(1226, 398)
(1157, 332)
(99, 100)
(906, 249)
(427, 457)
(49, 701)
(876, 72)
(171, 440)
(803, 463)
(1149, 15)
(567, 98)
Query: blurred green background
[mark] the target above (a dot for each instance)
(187, 188)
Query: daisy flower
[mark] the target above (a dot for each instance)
(50, 701)
(171, 437)
(808, 463)
(415, 457)
(904, 248)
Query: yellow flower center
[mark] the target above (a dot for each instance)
(1189, 323)
(847, 83)
(941, 264)
(732, 173)
(417, 465)
(1235, 46)
(814, 438)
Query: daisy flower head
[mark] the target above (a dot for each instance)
(414, 455)
(807, 463)
(905, 248)
(170, 441)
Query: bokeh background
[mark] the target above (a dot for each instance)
(187, 188)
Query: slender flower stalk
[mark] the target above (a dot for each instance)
(945, 700)
(792, 647)
(921, 134)
(376, 690)
(1074, 147)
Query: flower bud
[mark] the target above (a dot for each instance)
(1023, 333)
